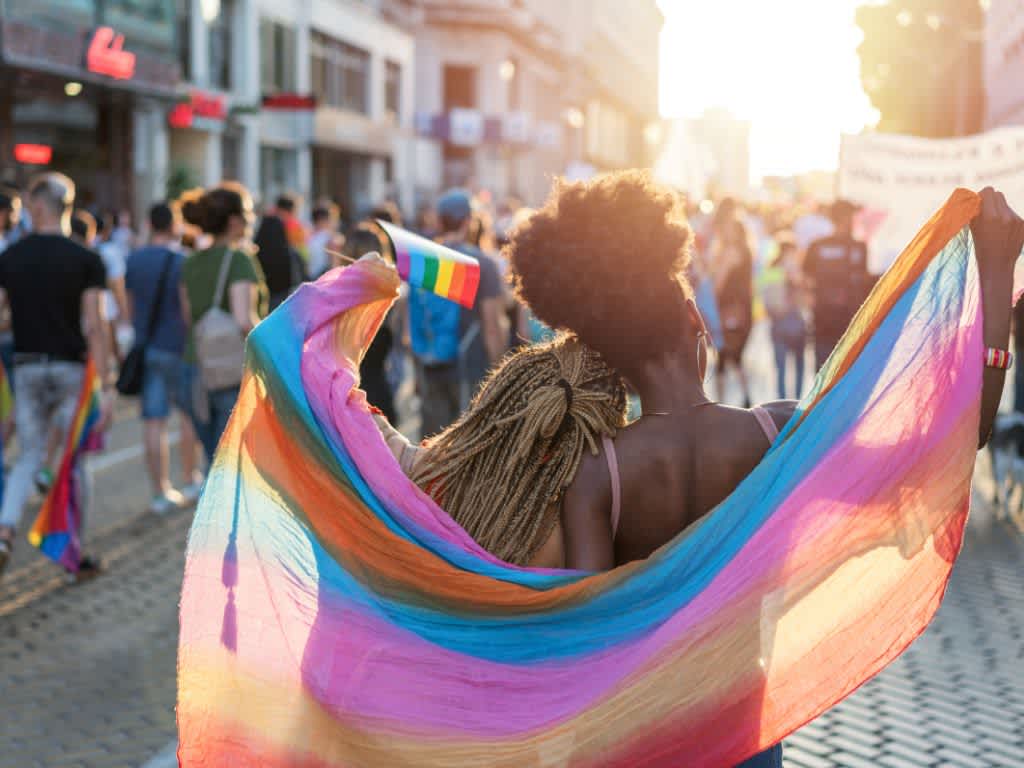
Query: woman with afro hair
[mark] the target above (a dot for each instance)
(606, 260)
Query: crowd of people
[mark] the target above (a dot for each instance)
(563, 410)
(182, 294)
(205, 269)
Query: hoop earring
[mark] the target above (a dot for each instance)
(702, 336)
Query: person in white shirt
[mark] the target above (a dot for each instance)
(325, 238)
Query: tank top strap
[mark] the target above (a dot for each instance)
(613, 472)
(766, 422)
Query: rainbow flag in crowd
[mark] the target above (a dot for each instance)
(55, 530)
(333, 615)
(434, 267)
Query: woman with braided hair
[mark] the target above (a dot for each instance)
(502, 469)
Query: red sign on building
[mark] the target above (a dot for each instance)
(106, 55)
(204, 105)
(33, 154)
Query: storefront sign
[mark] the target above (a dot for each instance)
(33, 154)
(902, 180)
(289, 101)
(204, 106)
(90, 57)
(106, 55)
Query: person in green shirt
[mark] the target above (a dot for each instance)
(225, 213)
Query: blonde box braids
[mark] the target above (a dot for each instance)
(500, 470)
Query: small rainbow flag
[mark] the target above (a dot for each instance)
(434, 267)
(55, 530)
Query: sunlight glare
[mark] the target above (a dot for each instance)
(789, 66)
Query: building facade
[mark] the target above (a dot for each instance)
(512, 92)
(85, 89)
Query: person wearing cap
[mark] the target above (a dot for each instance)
(836, 270)
(447, 385)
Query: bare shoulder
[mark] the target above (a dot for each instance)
(781, 411)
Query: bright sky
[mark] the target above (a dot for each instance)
(788, 66)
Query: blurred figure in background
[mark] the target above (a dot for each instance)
(52, 283)
(427, 223)
(115, 300)
(152, 281)
(325, 237)
(454, 347)
(359, 241)
(836, 269)
(282, 265)
(83, 228)
(732, 268)
(10, 214)
(781, 291)
(287, 209)
(225, 215)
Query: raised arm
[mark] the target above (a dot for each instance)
(998, 238)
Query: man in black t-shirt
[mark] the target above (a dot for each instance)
(50, 283)
(836, 268)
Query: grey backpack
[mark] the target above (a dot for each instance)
(220, 344)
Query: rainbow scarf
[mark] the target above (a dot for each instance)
(55, 530)
(434, 267)
(333, 615)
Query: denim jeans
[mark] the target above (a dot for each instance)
(45, 396)
(222, 402)
(161, 383)
(788, 340)
(770, 758)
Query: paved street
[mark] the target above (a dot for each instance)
(87, 677)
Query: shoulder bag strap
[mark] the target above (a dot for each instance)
(154, 313)
(222, 278)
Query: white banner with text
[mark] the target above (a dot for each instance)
(901, 180)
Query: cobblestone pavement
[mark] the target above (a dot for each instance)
(87, 673)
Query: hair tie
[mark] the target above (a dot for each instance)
(565, 385)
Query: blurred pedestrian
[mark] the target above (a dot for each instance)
(325, 237)
(454, 347)
(115, 300)
(10, 214)
(51, 284)
(359, 241)
(287, 210)
(220, 282)
(836, 269)
(732, 265)
(781, 292)
(282, 266)
(83, 228)
(153, 280)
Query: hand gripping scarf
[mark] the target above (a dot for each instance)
(333, 615)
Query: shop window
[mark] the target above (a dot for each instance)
(340, 73)
(183, 40)
(277, 57)
(148, 24)
(393, 89)
(276, 171)
(219, 42)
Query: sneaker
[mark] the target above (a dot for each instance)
(193, 490)
(43, 480)
(88, 568)
(168, 501)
